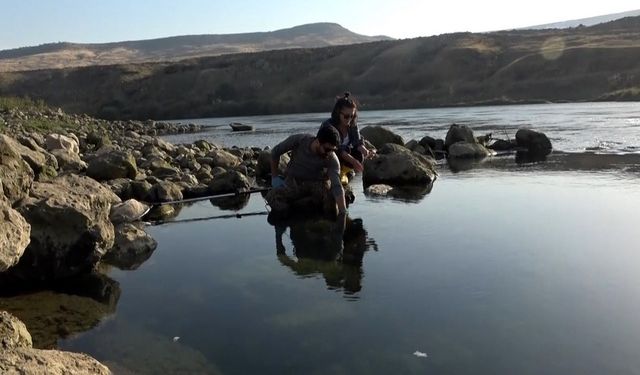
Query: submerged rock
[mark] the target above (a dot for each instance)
(535, 142)
(468, 150)
(19, 357)
(132, 247)
(73, 306)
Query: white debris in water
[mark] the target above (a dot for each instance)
(420, 354)
(176, 338)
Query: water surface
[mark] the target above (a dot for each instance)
(501, 268)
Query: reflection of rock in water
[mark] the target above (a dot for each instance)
(404, 193)
(132, 247)
(164, 212)
(51, 315)
(131, 349)
(332, 249)
(231, 203)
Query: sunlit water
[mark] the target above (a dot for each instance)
(601, 127)
(504, 268)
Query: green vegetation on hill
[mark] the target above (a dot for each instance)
(527, 66)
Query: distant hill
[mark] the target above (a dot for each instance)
(595, 63)
(586, 21)
(64, 55)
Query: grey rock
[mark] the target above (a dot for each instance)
(128, 211)
(112, 164)
(16, 175)
(69, 161)
(82, 233)
(459, 133)
(14, 236)
(398, 166)
(132, 247)
(468, 150)
(223, 159)
(19, 356)
(165, 191)
(378, 136)
(42, 165)
(379, 190)
(57, 141)
(229, 182)
(535, 142)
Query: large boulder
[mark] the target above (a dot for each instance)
(379, 135)
(13, 333)
(468, 150)
(15, 174)
(43, 164)
(19, 357)
(14, 236)
(224, 159)
(397, 165)
(166, 191)
(132, 247)
(535, 142)
(112, 164)
(70, 227)
(459, 133)
(229, 182)
(59, 141)
(69, 161)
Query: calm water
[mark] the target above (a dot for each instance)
(503, 268)
(602, 127)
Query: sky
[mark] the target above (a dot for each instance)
(33, 22)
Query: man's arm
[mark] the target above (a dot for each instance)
(333, 171)
(285, 146)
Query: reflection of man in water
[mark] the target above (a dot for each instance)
(332, 248)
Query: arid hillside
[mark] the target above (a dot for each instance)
(65, 55)
(527, 66)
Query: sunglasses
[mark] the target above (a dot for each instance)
(347, 116)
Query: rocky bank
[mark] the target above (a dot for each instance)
(73, 189)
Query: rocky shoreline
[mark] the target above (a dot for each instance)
(74, 189)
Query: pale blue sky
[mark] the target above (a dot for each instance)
(33, 22)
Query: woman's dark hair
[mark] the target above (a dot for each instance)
(347, 101)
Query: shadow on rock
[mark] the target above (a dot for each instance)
(333, 249)
(70, 307)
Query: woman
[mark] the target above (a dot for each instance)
(352, 150)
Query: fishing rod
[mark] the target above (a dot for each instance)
(206, 218)
(223, 195)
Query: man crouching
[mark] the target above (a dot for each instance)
(312, 177)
